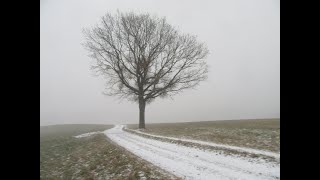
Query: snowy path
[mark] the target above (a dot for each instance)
(241, 149)
(192, 163)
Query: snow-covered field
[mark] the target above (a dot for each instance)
(193, 163)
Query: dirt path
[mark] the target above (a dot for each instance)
(192, 163)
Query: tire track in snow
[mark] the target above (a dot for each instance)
(209, 163)
(242, 149)
(192, 163)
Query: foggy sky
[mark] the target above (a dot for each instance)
(243, 38)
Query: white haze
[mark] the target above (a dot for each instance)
(244, 79)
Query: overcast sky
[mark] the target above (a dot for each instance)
(243, 38)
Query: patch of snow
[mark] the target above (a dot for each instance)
(141, 175)
(87, 134)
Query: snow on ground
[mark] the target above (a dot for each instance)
(87, 134)
(192, 163)
(241, 149)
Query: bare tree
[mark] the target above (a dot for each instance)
(143, 57)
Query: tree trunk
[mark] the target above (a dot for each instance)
(142, 106)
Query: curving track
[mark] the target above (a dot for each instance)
(192, 163)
